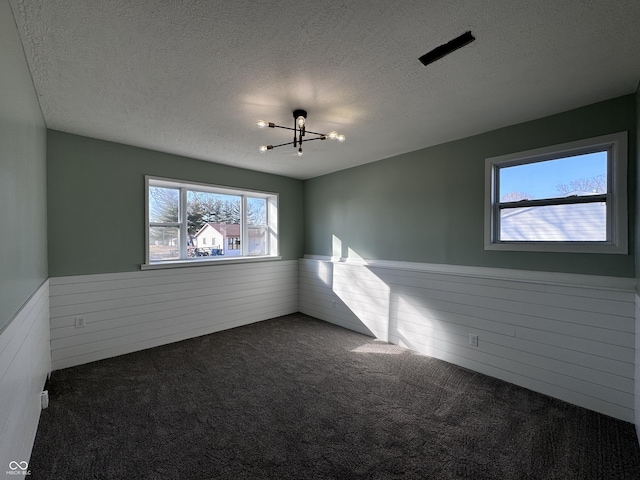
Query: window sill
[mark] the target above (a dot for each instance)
(207, 262)
(559, 247)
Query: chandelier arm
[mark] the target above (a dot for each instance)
(291, 143)
(295, 129)
(316, 133)
(282, 144)
(286, 128)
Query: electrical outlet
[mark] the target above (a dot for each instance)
(80, 322)
(473, 339)
(44, 399)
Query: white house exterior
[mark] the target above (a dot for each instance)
(221, 236)
(209, 237)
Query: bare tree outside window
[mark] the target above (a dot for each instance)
(597, 184)
(514, 197)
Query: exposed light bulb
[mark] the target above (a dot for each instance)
(300, 152)
(341, 138)
(262, 123)
(300, 121)
(333, 135)
(263, 148)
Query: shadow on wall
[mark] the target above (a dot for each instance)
(374, 303)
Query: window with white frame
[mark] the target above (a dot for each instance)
(197, 222)
(565, 198)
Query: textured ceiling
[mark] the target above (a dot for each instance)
(193, 77)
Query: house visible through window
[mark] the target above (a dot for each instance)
(189, 221)
(569, 198)
(234, 243)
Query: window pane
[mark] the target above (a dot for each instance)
(585, 222)
(257, 240)
(214, 221)
(163, 204)
(164, 243)
(257, 226)
(577, 175)
(256, 211)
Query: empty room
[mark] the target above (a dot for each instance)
(360, 240)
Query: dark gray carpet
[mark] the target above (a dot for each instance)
(298, 398)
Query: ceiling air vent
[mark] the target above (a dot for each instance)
(443, 50)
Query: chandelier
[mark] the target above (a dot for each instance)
(299, 132)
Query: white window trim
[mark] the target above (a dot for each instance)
(617, 220)
(272, 221)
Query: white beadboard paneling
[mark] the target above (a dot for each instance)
(131, 311)
(564, 335)
(25, 362)
(224, 281)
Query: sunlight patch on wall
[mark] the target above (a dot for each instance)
(325, 272)
(336, 247)
(363, 292)
(410, 326)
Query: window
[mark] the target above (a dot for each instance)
(566, 198)
(234, 243)
(189, 222)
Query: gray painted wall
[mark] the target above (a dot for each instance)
(428, 205)
(96, 196)
(23, 229)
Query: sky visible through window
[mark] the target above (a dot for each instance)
(540, 180)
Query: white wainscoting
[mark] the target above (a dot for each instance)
(568, 336)
(25, 362)
(131, 311)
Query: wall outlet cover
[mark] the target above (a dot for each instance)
(44, 399)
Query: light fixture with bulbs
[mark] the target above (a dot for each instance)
(299, 131)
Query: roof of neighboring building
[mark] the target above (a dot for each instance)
(585, 221)
(226, 229)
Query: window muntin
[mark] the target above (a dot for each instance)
(195, 222)
(569, 198)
